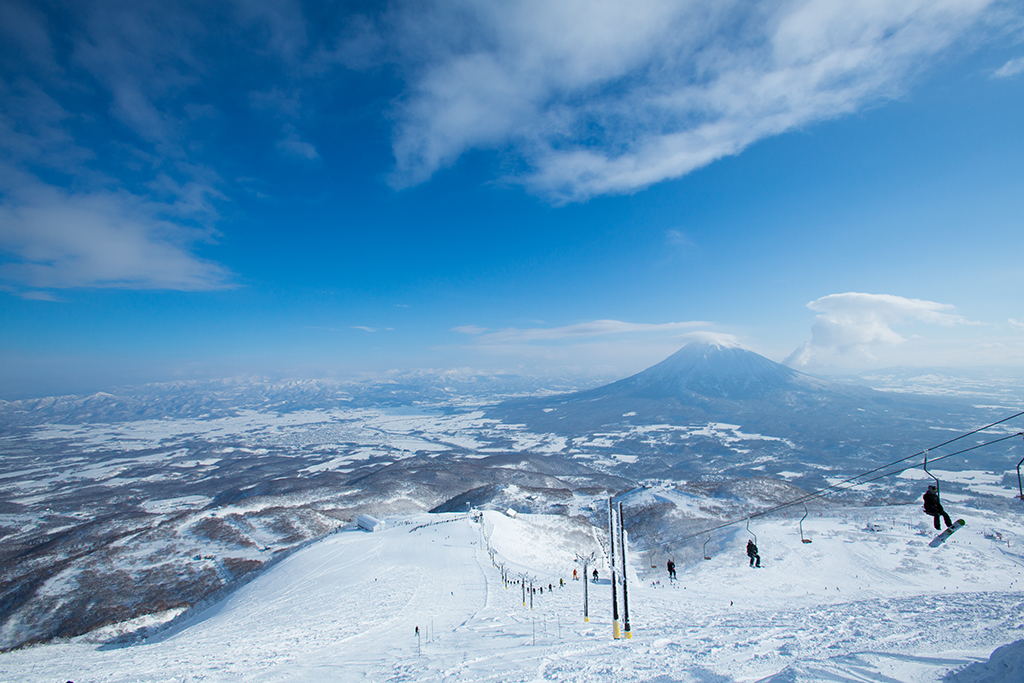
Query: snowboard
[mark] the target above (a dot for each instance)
(941, 538)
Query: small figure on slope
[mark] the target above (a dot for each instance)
(933, 507)
(595, 576)
(752, 554)
(671, 569)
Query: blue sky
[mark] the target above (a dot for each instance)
(294, 189)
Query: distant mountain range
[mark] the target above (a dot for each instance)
(203, 399)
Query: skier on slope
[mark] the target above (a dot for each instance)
(933, 507)
(595, 576)
(752, 554)
(671, 569)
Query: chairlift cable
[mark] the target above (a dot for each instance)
(857, 479)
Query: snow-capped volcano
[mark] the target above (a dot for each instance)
(703, 381)
(718, 371)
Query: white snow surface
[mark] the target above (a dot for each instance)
(867, 600)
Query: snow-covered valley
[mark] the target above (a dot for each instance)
(867, 600)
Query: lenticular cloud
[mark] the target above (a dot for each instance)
(851, 324)
(611, 96)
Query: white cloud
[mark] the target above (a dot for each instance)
(1011, 68)
(679, 239)
(1017, 324)
(608, 96)
(60, 240)
(607, 349)
(38, 296)
(851, 326)
(720, 338)
(294, 146)
(595, 328)
(469, 329)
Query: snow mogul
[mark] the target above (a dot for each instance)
(752, 554)
(933, 507)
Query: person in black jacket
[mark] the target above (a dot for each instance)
(933, 507)
(752, 553)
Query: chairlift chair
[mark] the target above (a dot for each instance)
(1020, 487)
(938, 489)
(802, 538)
(705, 549)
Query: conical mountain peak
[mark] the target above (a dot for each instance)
(715, 370)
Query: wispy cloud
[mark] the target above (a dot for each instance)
(1011, 68)
(38, 296)
(106, 158)
(371, 329)
(294, 146)
(595, 328)
(469, 329)
(679, 239)
(850, 326)
(60, 240)
(610, 96)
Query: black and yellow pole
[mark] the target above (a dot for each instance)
(611, 557)
(625, 594)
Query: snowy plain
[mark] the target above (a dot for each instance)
(866, 600)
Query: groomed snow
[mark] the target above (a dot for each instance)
(867, 600)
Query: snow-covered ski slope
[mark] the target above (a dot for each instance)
(867, 600)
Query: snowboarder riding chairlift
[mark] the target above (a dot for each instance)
(752, 554)
(933, 507)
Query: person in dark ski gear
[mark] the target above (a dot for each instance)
(671, 569)
(595, 576)
(933, 507)
(752, 554)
